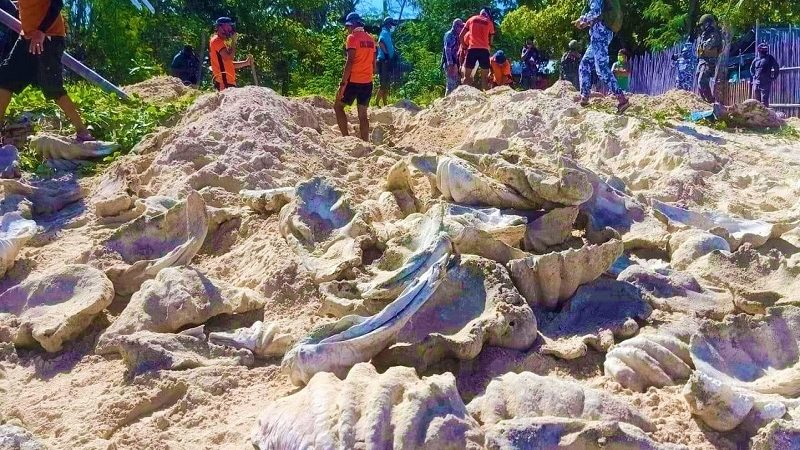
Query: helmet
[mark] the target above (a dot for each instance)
(763, 46)
(353, 20)
(486, 12)
(389, 22)
(500, 57)
(707, 18)
(573, 45)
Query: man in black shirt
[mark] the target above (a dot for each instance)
(764, 70)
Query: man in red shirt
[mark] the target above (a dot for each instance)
(357, 76)
(222, 50)
(481, 32)
(36, 60)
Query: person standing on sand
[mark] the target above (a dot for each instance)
(530, 65)
(36, 60)
(481, 32)
(450, 59)
(568, 68)
(357, 76)
(709, 47)
(222, 50)
(622, 71)
(685, 64)
(764, 70)
(386, 59)
(600, 35)
(186, 66)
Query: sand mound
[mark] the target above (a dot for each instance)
(159, 89)
(281, 188)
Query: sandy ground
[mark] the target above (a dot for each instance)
(252, 139)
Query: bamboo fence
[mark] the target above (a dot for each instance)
(655, 73)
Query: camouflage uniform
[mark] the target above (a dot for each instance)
(569, 68)
(708, 50)
(686, 64)
(597, 53)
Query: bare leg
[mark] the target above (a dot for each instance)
(484, 74)
(5, 99)
(363, 122)
(341, 118)
(468, 76)
(65, 103)
(384, 93)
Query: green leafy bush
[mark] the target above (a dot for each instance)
(110, 118)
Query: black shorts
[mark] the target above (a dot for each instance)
(217, 86)
(478, 56)
(384, 72)
(359, 92)
(22, 68)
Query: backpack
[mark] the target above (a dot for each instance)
(612, 15)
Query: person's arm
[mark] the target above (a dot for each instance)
(449, 45)
(348, 68)
(246, 63)
(753, 69)
(776, 68)
(463, 33)
(594, 13)
(53, 11)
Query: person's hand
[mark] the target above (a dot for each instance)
(249, 60)
(37, 42)
(340, 93)
(578, 23)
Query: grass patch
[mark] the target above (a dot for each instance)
(110, 119)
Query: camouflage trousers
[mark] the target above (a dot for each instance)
(705, 76)
(596, 57)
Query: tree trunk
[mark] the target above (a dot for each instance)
(691, 20)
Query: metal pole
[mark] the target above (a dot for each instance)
(756, 44)
(70, 62)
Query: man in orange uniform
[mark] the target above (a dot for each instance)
(222, 49)
(36, 60)
(481, 31)
(357, 76)
(501, 70)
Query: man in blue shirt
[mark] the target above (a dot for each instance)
(385, 58)
(765, 69)
(450, 60)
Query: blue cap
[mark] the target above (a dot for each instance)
(353, 20)
(224, 21)
(389, 22)
(763, 46)
(500, 56)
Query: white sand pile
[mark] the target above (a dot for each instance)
(254, 139)
(159, 89)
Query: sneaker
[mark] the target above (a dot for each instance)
(623, 106)
(584, 101)
(84, 136)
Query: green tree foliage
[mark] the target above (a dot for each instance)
(297, 44)
(551, 26)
